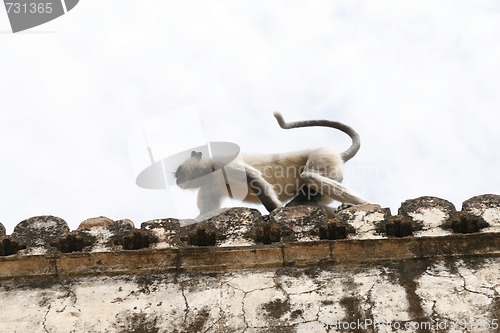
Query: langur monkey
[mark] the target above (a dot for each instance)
(311, 176)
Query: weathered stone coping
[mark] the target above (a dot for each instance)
(337, 252)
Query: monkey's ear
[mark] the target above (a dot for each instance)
(196, 154)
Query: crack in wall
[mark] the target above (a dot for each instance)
(243, 306)
(71, 294)
(369, 300)
(186, 304)
(468, 282)
(222, 313)
(472, 291)
(44, 322)
(214, 324)
(353, 305)
(243, 302)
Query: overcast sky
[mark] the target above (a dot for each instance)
(419, 80)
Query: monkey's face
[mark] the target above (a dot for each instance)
(190, 174)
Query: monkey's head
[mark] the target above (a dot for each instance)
(190, 174)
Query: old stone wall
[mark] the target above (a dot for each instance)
(430, 268)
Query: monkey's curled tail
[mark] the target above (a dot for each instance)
(347, 154)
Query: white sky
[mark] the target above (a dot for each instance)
(419, 80)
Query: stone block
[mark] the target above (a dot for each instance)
(299, 223)
(232, 227)
(487, 207)
(39, 233)
(166, 232)
(429, 216)
(363, 220)
(104, 234)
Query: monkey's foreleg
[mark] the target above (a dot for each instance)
(332, 188)
(262, 189)
(208, 199)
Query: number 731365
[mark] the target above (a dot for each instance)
(29, 8)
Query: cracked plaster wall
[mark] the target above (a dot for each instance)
(446, 295)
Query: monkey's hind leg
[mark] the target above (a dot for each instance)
(332, 188)
(306, 195)
(262, 189)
